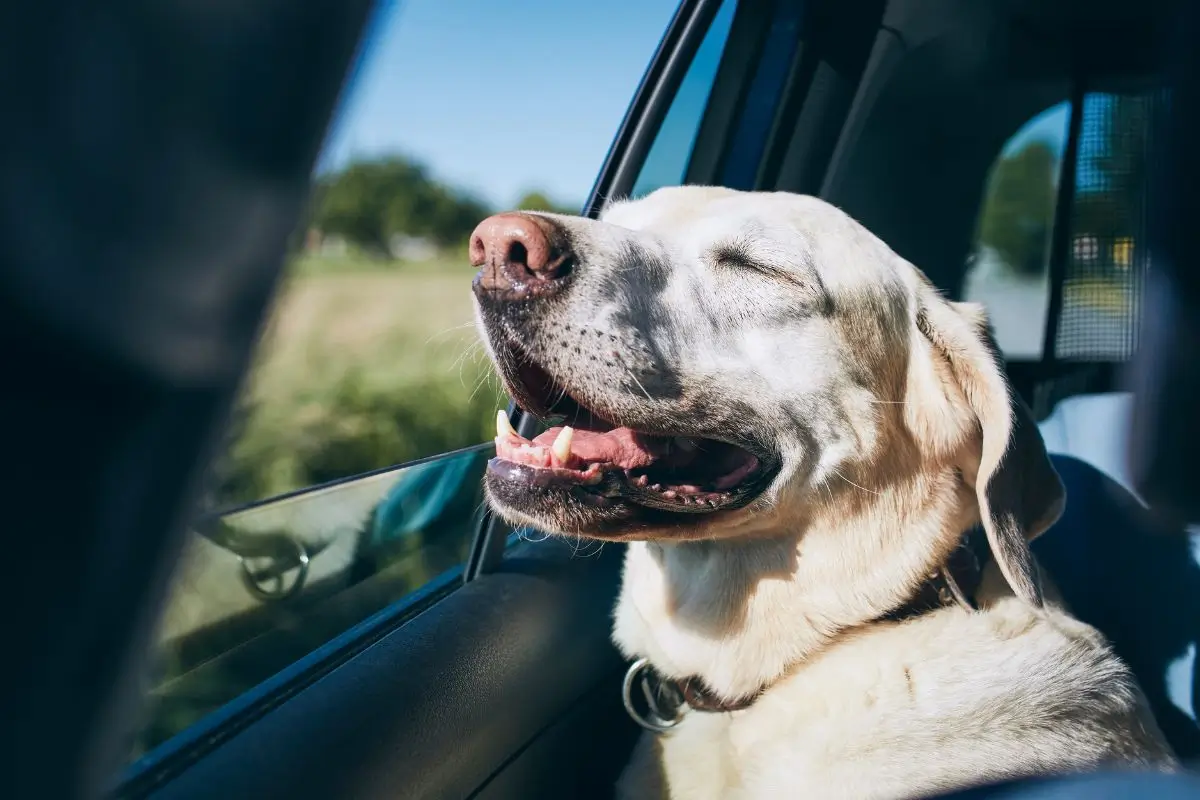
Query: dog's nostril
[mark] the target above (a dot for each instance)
(517, 254)
(477, 250)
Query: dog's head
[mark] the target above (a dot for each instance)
(720, 363)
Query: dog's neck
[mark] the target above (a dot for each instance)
(740, 613)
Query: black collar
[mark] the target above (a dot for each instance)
(955, 582)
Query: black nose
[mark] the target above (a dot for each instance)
(519, 256)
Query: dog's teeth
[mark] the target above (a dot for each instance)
(504, 428)
(562, 444)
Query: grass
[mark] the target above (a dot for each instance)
(1109, 295)
(363, 364)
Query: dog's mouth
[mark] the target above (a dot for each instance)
(600, 463)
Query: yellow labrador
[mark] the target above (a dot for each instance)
(797, 436)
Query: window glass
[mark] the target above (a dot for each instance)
(370, 358)
(1102, 276)
(1106, 258)
(749, 137)
(1009, 263)
(666, 163)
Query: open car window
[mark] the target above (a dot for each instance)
(1090, 307)
(350, 487)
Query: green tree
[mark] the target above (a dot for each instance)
(368, 202)
(539, 201)
(1018, 209)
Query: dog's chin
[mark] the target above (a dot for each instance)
(609, 510)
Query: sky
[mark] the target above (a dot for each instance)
(499, 96)
(1050, 126)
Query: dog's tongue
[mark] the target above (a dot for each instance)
(621, 446)
(570, 448)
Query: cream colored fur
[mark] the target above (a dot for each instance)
(897, 433)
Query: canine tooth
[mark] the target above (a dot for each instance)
(504, 428)
(562, 444)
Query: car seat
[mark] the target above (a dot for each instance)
(1118, 568)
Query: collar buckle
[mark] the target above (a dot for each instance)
(664, 701)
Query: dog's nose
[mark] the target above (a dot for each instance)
(519, 255)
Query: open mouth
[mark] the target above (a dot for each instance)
(601, 463)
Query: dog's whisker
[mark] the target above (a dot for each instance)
(449, 330)
(478, 385)
(852, 483)
(523, 535)
(639, 385)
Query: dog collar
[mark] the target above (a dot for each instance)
(953, 583)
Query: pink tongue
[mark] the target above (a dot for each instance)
(621, 446)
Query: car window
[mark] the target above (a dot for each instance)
(1009, 268)
(667, 162)
(351, 477)
(1107, 260)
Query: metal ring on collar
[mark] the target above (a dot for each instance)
(652, 720)
(255, 581)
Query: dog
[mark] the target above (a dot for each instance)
(799, 438)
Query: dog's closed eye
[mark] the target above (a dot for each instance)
(738, 255)
(735, 255)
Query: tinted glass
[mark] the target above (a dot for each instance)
(667, 162)
(1009, 269)
(1106, 260)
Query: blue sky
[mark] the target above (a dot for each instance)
(500, 96)
(1049, 126)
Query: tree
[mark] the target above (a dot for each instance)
(1018, 209)
(1111, 183)
(538, 201)
(368, 202)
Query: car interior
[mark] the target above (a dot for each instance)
(497, 678)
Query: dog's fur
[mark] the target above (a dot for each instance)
(777, 319)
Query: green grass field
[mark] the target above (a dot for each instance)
(363, 364)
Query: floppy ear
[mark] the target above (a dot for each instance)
(1020, 494)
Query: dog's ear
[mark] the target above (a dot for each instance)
(1019, 492)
